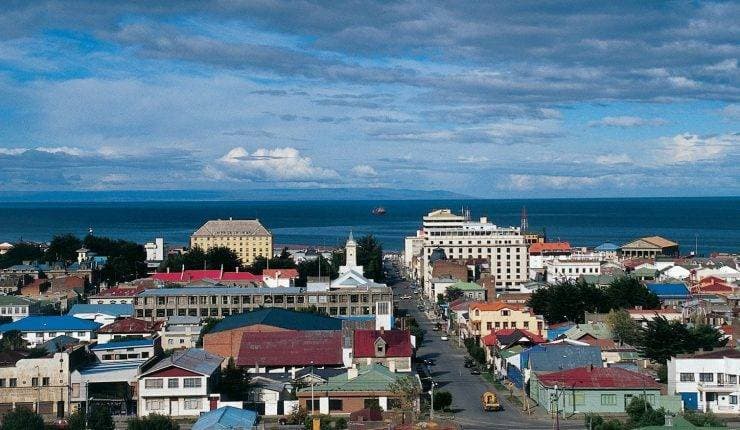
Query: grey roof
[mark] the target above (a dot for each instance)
(15, 301)
(237, 227)
(194, 359)
(59, 343)
(550, 358)
(178, 320)
(218, 291)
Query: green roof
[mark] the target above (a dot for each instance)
(681, 423)
(514, 350)
(375, 377)
(644, 271)
(598, 279)
(14, 300)
(467, 286)
(597, 330)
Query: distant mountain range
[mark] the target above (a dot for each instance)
(229, 195)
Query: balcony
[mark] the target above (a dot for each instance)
(718, 387)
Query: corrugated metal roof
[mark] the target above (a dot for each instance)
(278, 317)
(133, 343)
(193, 359)
(218, 291)
(598, 378)
(117, 310)
(50, 323)
(369, 378)
(556, 357)
(669, 290)
(226, 418)
(290, 348)
(397, 343)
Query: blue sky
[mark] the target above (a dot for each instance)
(490, 99)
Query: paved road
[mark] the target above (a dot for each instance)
(465, 388)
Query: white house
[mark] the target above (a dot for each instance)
(276, 278)
(17, 307)
(569, 269)
(180, 332)
(39, 329)
(707, 381)
(103, 314)
(675, 272)
(180, 385)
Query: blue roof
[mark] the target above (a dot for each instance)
(555, 332)
(226, 418)
(117, 310)
(554, 357)
(110, 366)
(676, 290)
(606, 247)
(123, 344)
(277, 317)
(50, 323)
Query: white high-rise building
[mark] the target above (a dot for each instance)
(460, 238)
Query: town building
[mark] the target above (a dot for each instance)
(121, 294)
(485, 318)
(539, 253)
(391, 348)
(470, 290)
(226, 418)
(607, 251)
(154, 254)
(287, 351)
(248, 238)
(190, 277)
(357, 388)
(277, 278)
(103, 314)
(670, 294)
(39, 384)
(457, 237)
(218, 302)
(593, 389)
(17, 307)
(128, 328)
(649, 247)
(180, 385)
(555, 357)
(563, 269)
(39, 329)
(180, 332)
(706, 381)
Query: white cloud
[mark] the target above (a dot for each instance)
(731, 111)
(689, 148)
(627, 122)
(469, 159)
(613, 159)
(364, 171)
(723, 66)
(682, 82)
(279, 164)
(560, 182)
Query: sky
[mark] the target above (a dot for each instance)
(488, 99)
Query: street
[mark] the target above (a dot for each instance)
(466, 389)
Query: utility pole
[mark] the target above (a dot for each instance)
(431, 409)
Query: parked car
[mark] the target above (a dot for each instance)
(405, 297)
(475, 371)
(444, 338)
(468, 362)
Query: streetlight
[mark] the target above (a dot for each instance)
(312, 400)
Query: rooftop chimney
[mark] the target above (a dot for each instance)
(352, 372)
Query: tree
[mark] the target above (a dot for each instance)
(706, 337)
(661, 339)
(221, 256)
(234, 382)
(19, 253)
(699, 419)
(99, 418)
(370, 257)
(282, 261)
(12, 341)
(642, 414)
(453, 294)
(623, 327)
(63, 248)
(442, 400)
(153, 422)
(627, 292)
(77, 420)
(408, 390)
(22, 419)
(310, 268)
(126, 260)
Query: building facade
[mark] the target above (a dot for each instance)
(17, 307)
(249, 239)
(707, 381)
(486, 318)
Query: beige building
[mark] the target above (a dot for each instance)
(485, 318)
(248, 238)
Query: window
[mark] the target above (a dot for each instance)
(608, 399)
(191, 383)
(2, 382)
(706, 377)
(193, 403)
(687, 377)
(34, 382)
(45, 382)
(372, 403)
(335, 405)
(13, 382)
(173, 383)
(153, 383)
(154, 404)
(579, 399)
(732, 379)
(733, 400)
(312, 405)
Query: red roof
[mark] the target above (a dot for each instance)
(199, 275)
(280, 273)
(536, 248)
(397, 343)
(119, 292)
(510, 336)
(172, 371)
(131, 325)
(598, 378)
(291, 348)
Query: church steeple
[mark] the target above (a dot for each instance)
(351, 251)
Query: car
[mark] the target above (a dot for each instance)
(405, 297)
(469, 362)
(429, 362)
(475, 371)
(444, 338)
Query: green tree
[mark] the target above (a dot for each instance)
(310, 268)
(221, 256)
(126, 260)
(153, 422)
(408, 390)
(370, 257)
(281, 261)
(642, 414)
(12, 341)
(699, 419)
(705, 337)
(627, 292)
(77, 420)
(19, 253)
(63, 248)
(661, 339)
(623, 327)
(99, 418)
(22, 419)
(452, 294)
(234, 382)
(442, 400)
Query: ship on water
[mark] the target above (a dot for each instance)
(380, 210)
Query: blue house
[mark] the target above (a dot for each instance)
(39, 329)
(670, 293)
(226, 418)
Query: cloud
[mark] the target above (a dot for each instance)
(627, 122)
(471, 159)
(613, 159)
(364, 171)
(692, 148)
(278, 165)
(731, 111)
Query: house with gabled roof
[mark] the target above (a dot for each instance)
(391, 348)
(128, 327)
(649, 247)
(485, 318)
(181, 385)
(103, 314)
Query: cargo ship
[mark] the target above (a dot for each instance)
(380, 210)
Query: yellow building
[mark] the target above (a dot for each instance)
(485, 318)
(248, 238)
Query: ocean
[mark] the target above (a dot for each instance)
(710, 224)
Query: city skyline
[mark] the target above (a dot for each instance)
(497, 100)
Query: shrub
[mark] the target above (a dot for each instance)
(22, 419)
